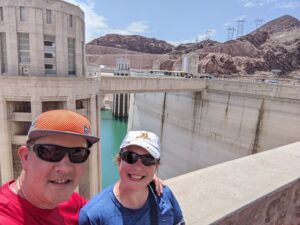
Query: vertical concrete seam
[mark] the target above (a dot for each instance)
(163, 116)
(197, 104)
(227, 105)
(258, 127)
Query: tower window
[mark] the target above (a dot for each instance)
(1, 13)
(22, 13)
(49, 54)
(3, 53)
(70, 20)
(23, 48)
(48, 16)
(71, 56)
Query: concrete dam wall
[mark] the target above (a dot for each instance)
(227, 120)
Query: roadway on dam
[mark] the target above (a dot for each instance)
(123, 84)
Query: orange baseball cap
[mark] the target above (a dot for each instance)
(65, 122)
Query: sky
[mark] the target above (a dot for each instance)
(181, 21)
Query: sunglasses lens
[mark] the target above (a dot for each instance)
(131, 158)
(55, 153)
(79, 155)
(48, 152)
(149, 161)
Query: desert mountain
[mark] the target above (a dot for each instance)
(273, 46)
(133, 43)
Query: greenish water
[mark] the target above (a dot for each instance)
(112, 132)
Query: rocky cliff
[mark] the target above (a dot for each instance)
(133, 43)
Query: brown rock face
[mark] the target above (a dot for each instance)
(274, 46)
(217, 64)
(133, 43)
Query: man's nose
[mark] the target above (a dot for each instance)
(64, 165)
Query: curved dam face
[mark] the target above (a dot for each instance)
(226, 121)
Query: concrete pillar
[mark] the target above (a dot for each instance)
(71, 103)
(61, 45)
(36, 41)
(99, 101)
(94, 162)
(5, 150)
(131, 111)
(115, 105)
(36, 106)
(124, 105)
(11, 42)
(121, 105)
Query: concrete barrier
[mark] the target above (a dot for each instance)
(263, 188)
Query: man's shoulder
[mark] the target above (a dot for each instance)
(4, 201)
(4, 198)
(76, 200)
(9, 208)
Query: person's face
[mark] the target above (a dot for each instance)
(47, 184)
(136, 176)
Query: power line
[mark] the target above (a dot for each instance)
(240, 27)
(208, 34)
(258, 22)
(230, 33)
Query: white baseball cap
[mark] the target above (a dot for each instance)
(144, 139)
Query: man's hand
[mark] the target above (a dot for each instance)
(158, 185)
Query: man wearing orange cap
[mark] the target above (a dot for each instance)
(53, 161)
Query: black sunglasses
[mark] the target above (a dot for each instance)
(55, 153)
(131, 158)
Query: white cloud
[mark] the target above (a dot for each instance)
(257, 3)
(273, 3)
(138, 27)
(96, 25)
(288, 4)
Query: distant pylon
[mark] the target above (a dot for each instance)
(208, 34)
(230, 33)
(258, 22)
(240, 27)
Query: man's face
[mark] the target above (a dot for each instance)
(47, 184)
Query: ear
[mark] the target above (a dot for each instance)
(24, 154)
(157, 167)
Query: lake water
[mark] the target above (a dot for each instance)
(112, 132)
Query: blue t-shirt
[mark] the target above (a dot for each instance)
(105, 209)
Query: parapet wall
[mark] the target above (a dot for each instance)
(263, 188)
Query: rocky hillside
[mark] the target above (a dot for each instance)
(273, 46)
(133, 43)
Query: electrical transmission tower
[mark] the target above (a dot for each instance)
(240, 27)
(208, 34)
(258, 22)
(230, 33)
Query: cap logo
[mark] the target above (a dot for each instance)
(144, 135)
(86, 130)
